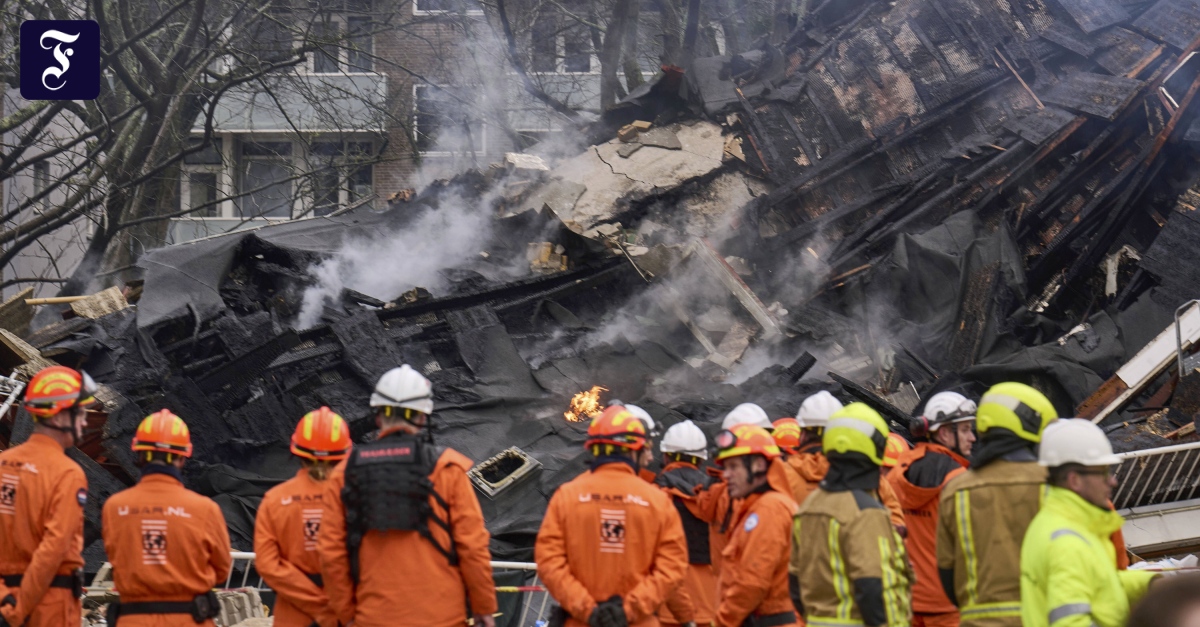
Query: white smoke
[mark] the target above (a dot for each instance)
(388, 264)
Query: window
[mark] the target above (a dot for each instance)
(268, 38)
(577, 49)
(340, 176)
(358, 55)
(200, 184)
(203, 192)
(545, 45)
(208, 155)
(41, 183)
(325, 35)
(266, 180)
(443, 122)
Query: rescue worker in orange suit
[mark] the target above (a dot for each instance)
(611, 547)
(896, 446)
(983, 514)
(684, 449)
(289, 522)
(645, 460)
(754, 574)
(715, 506)
(809, 462)
(947, 424)
(42, 494)
(401, 501)
(848, 563)
(168, 546)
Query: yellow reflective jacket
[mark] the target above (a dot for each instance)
(849, 563)
(982, 520)
(1069, 576)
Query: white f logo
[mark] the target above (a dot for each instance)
(59, 55)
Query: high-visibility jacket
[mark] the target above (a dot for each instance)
(920, 506)
(286, 529)
(42, 494)
(754, 571)
(696, 599)
(806, 470)
(982, 520)
(1069, 576)
(609, 533)
(849, 562)
(404, 580)
(165, 543)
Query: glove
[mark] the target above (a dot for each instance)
(610, 613)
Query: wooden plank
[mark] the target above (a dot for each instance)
(1094, 94)
(1092, 15)
(15, 315)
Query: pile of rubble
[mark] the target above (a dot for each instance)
(901, 198)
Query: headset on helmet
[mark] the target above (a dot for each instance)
(815, 411)
(403, 388)
(686, 438)
(787, 435)
(616, 426)
(745, 439)
(56, 388)
(942, 409)
(1017, 408)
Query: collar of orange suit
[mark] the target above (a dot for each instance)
(40, 439)
(614, 463)
(150, 470)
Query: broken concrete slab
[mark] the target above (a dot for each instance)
(558, 196)
(662, 138)
(612, 182)
(521, 161)
(628, 149)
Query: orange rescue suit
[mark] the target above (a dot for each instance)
(165, 543)
(921, 510)
(754, 568)
(42, 494)
(695, 600)
(806, 470)
(403, 579)
(608, 532)
(285, 544)
(716, 508)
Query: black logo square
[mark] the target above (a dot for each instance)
(60, 60)
(612, 530)
(8, 494)
(312, 529)
(154, 542)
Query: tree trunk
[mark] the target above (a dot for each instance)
(633, 73)
(672, 31)
(610, 54)
(731, 25)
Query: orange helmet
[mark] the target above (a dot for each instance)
(787, 435)
(745, 440)
(618, 427)
(163, 432)
(896, 446)
(321, 435)
(57, 388)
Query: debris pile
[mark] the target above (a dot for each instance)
(901, 198)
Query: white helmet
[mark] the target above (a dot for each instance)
(1075, 441)
(684, 437)
(946, 408)
(815, 411)
(747, 414)
(638, 412)
(404, 387)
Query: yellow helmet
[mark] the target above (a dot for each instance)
(1016, 407)
(856, 428)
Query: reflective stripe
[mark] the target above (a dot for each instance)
(991, 610)
(864, 428)
(890, 602)
(840, 584)
(967, 541)
(1069, 609)
(817, 621)
(1066, 532)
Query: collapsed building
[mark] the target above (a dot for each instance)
(898, 199)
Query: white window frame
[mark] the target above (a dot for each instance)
(341, 163)
(481, 149)
(242, 163)
(342, 22)
(417, 10)
(560, 58)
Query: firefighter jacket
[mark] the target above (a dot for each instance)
(716, 508)
(165, 543)
(1069, 576)
(849, 562)
(982, 518)
(754, 575)
(695, 600)
(285, 544)
(42, 494)
(806, 470)
(608, 533)
(918, 480)
(404, 579)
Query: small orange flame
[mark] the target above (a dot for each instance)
(585, 405)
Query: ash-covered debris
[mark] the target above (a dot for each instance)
(902, 198)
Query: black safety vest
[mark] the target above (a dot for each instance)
(696, 530)
(388, 488)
